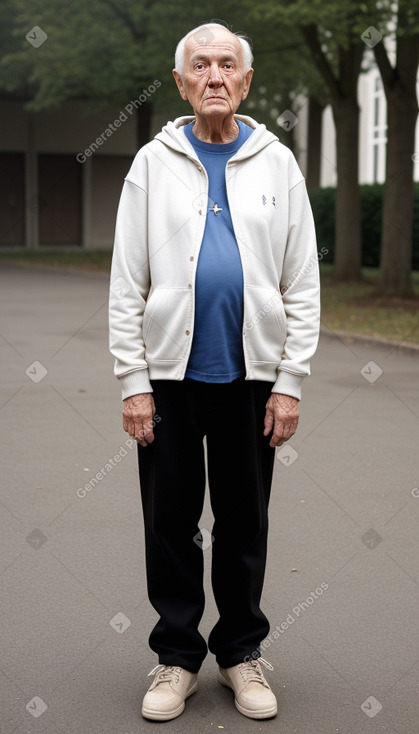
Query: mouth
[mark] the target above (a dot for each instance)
(215, 96)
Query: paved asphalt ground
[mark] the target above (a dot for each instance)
(342, 582)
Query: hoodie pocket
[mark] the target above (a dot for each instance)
(265, 326)
(166, 325)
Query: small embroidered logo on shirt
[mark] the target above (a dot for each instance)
(215, 209)
(265, 200)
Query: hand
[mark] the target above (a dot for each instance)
(138, 417)
(282, 414)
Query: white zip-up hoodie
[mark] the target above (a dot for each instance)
(159, 229)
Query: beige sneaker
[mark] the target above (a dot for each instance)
(253, 695)
(165, 699)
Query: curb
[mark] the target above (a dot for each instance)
(366, 340)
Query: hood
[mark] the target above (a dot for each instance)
(172, 135)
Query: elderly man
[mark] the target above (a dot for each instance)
(214, 317)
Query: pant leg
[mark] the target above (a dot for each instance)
(172, 481)
(240, 469)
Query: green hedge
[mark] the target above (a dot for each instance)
(323, 204)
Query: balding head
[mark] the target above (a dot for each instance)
(210, 35)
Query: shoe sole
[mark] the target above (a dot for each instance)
(168, 715)
(261, 714)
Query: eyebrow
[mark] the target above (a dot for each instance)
(203, 57)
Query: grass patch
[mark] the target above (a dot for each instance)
(90, 261)
(347, 307)
(356, 308)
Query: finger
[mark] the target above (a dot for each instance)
(144, 432)
(126, 424)
(282, 433)
(148, 432)
(277, 437)
(268, 422)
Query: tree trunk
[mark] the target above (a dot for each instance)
(144, 117)
(314, 143)
(402, 109)
(344, 99)
(397, 222)
(348, 251)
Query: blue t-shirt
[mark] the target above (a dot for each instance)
(217, 350)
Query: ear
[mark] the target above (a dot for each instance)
(247, 82)
(179, 84)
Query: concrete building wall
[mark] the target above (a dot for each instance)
(100, 147)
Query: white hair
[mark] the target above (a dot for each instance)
(245, 45)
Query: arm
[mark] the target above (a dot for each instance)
(129, 288)
(300, 287)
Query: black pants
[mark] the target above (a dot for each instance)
(173, 479)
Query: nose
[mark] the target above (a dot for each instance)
(215, 79)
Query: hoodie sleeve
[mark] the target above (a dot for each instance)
(300, 288)
(129, 288)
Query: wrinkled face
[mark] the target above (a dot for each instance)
(213, 80)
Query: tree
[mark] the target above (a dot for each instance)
(399, 82)
(97, 52)
(104, 53)
(331, 32)
(285, 80)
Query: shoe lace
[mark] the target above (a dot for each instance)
(251, 671)
(165, 673)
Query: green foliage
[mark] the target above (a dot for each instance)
(323, 205)
(339, 22)
(107, 51)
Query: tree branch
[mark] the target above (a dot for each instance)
(311, 37)
(387, 71)
(125, 18)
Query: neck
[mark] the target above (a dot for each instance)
(216, 131)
